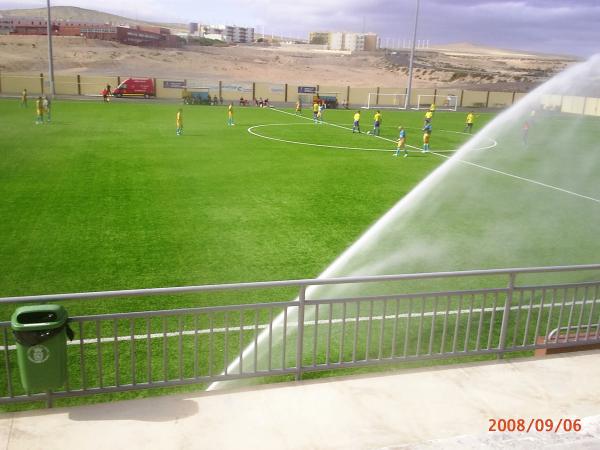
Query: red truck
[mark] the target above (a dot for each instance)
(136, 87)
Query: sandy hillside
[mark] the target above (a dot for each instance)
(460, 65)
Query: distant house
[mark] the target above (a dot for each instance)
(148, 36)
(227, 33)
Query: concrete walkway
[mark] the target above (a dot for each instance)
(428, 408)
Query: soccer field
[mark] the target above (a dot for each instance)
(106, 196)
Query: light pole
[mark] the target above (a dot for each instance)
(50, 59)
(412, 56)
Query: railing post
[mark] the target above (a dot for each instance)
(506, 315)
(49, 399)
(300, 332)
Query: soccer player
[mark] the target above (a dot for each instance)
(356, 126)
(39, 109)
(46, 104)
(428, 117)
(469, 122)
(179, 122)
(298, 107)
(320, 112)
(24, 98)
(401, 142)
(315, 112)
(426, 136)
(376, 123)
(230, 114)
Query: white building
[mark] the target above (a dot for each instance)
(228, 33)
(353, 42)
(239, 34)
(336, 41)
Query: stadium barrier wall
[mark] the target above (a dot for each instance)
(359, 96)
(273, 92)
(66, 84)
(92, 85)
(500, 99)
(15, 83)
(474, 99)
(573, 104)
(163, 91)
(592, 107)
(414, 95)
(387, 100)
(518, 96)
(338, 91)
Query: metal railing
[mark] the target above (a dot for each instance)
(139, 350)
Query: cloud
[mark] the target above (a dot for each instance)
(554, 26)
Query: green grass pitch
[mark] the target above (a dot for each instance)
(106, 196)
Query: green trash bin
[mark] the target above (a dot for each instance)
(41, 333)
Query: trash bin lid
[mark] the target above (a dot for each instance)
(38, 317)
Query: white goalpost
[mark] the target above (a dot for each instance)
(385, 101)
(443, 102)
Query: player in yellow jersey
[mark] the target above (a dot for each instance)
(24, 98)
(179, 122)
(315, 112)
(428, 117)
(356, 125)
(39, 109)
(376, 124)
(298, 107)
(230, 114)
(469, 122)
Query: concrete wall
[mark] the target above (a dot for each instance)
(592, 107)
(66, 85)
(93, 85)
(338, 91)
(551, 102)
(500, 99)
(573, 104)
(385, 99)
(414, 96)
(15, 83)
(519, 96)
(359, 96)
(163, 92)
(474, 99)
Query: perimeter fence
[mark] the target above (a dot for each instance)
(452, 316)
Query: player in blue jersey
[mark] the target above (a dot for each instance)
(401, 142)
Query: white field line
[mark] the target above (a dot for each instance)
(500, 172)
(333, 124)
(307, 323)
(250, 130)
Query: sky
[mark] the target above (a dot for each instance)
(551, 26)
